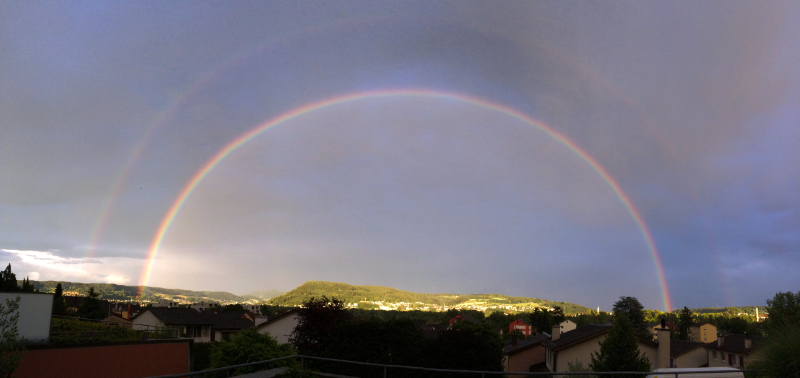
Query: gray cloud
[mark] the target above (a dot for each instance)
(690, 107)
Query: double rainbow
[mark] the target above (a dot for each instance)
(166, 222)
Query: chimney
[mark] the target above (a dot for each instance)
(514, 339)
(662, 335)
(129, 311)
(748, 342)
(556, 332)
(720, 340)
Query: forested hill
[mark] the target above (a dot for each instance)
(123, 292)
(355, 294)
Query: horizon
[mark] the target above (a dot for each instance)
(287, 291)
(584, 151)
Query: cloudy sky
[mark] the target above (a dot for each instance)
(455, 179)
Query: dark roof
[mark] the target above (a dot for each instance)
(466, 317)
(733, 344)
(525, 343)
(679, 347)
(521, 321)
(177, 316)
(577, 335)
(235, 320)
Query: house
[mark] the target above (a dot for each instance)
(703, 332)
(203, 306)
(126, 310)
(520, 325)
(118, 321)
(736, 350)
(34, 312)
(281, 326)
(578, 345)
(254, 308)
(525, 355)
(567, 325)
(461, 318)
(687, 354)
(189, 322)
(165, 303)
(74, 302)
(227, 324)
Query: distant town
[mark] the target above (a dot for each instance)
(192, 331)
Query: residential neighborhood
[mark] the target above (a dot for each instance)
(61, 328)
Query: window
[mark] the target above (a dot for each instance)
(714, 354)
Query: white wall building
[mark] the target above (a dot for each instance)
(281, 326)
(35, 311)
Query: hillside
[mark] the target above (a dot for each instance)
(374, 294)
(263, 294)
(124, 292)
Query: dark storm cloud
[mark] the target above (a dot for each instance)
(690, 107)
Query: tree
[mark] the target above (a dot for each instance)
(778, 354)
(316, 321)
(8, 280)
(11, 349)
(27, 286)
(393, 342)
(249, 346)
(232, 308)
(59, 306)
(685, 322)
(784, 308)
(466, 346)
(558, 315)
(92, 308)
(542, 320)
(633, 311)
(498, 319)
(620, 350)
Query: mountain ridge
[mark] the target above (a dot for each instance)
(381, 296)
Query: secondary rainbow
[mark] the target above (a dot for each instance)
(312, 107)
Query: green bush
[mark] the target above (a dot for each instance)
(779, 354)
(249, 346)
(78, 332)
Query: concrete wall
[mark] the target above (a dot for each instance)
(522, 361)
(35, 311)
(280, 329)
(128, 360)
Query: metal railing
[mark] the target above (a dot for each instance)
(227, 369)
